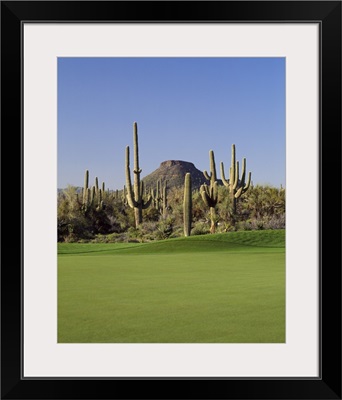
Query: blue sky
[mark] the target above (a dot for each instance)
(184, 107)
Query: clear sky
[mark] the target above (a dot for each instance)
(184, 107)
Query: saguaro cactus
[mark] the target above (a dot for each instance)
(210, 193)
(96, 185)
(85, 189)
(187, 204)
(135, 193)
(159, 197)
(124, 196)
(93, 195)
(235, 185)
(103, 188)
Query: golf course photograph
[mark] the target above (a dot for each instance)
(171, 200)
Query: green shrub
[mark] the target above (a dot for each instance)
(200, 228)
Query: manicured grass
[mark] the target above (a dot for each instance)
(225, 288)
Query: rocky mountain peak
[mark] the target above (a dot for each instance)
(173, 171)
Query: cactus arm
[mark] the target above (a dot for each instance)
(243, 174)
(212, 193)
(223, 178)
(206, 189)
(141, 188)
(129, 198)
(232, 166)
(238, 193)
(204, 194)
(147, 203)
(207, 177)
(136, 170)
(209, 195)
(129, 194)
(248, 182)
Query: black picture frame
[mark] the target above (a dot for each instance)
(328, 385)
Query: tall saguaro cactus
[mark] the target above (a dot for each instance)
(236, 186)
(187, 204)
(135, 193)
(210, 193)
(85, 188)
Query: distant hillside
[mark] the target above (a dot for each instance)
(173, 171)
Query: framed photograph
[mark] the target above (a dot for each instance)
(142, 262)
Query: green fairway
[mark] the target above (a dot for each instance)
(223, 288)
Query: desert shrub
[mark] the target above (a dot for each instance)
(72, 228)
(99, 221)
(110, 238)
(199, 210)
(275, 222)
(151, 214)
(148, 230)
(164, 228)
(244, 225)
(134, 235)
(83, 240)
(200, 228)
(178, 231)
(225, 226)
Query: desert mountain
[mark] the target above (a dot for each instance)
(173, 171)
